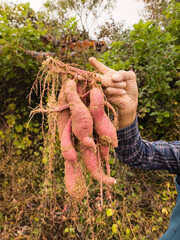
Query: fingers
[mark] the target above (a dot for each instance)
(123, 76)
(114, 91)
(107, 82)
(98, 65)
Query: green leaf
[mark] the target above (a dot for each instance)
(36, 154)
(36, 219)
(8, 57)
(109, 212)
(45, 160)
(19, 128)
(166, 114)
(114, 228)
(128, 231)
(72, 230)
(177, 83)
(12, 89)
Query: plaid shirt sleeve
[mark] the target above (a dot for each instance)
(136, 152)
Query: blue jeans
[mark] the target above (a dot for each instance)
(173, 232)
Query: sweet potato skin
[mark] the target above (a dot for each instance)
(74, 180)
(64, 115)
(103, 125)
(94, 167)
(68, 151)
(81, 89)
(82, 122)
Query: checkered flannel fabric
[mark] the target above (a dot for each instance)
(157, 155)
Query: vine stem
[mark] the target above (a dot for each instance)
(55, 109)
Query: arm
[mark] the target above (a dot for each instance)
(136, 152)
(121, 90)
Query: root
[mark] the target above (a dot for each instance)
(51, 76)
(53, 109)
(109, 106)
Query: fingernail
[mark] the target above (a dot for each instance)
(123, 91)
(115, 76)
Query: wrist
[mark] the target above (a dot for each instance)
(125, 119)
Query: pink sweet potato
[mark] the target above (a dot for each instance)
(64, 115)
(82, 122)
(93, 166)
(103, 125)
(74, 180)
(68, 151)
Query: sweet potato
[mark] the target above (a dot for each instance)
(74, 180)
(64, 115)
(103, 125)
(90, 160)
(82, 122)
(68, 151)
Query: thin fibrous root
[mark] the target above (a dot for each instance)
(55, 109)
(108, 105)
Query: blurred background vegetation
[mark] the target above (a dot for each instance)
(31, 205)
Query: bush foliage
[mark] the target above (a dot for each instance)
(34, 201)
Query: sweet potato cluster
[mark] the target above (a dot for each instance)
(77, 106)
(86, 128)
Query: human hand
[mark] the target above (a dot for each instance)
(120, 88)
